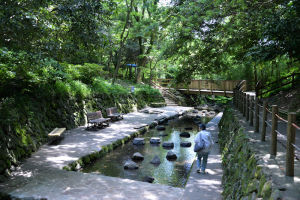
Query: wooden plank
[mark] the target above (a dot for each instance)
(57, 132)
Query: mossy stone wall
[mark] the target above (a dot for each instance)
(243, 178)
(26, 120)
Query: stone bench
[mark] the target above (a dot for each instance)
(56, 135)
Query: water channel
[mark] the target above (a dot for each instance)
(173, 173)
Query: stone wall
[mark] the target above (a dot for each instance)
(243, 178)
(26, 120)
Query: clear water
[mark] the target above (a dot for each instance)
(173, 173)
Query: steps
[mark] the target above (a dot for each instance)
(166, 95)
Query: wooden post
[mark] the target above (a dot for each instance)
(273, 131)
(244, 104)
(256, 115)
(199, 87)
(290, 150)
(264, 123)
(247, 106)
(251, 110)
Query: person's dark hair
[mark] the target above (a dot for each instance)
(202, 126)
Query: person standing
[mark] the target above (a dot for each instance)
(202, 155)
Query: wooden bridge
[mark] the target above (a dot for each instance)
(204, 87)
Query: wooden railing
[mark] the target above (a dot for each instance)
(262, 88)
(220, 85)
(249, 107)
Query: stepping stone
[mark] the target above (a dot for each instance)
(155, 140)
(160, 128)
(185, 134)
(137, 156)
(188, 128)
(171, 155)
(148, 179)
(155, 160)
(185, 144)
(168, 145)
(163, 134)
(139, 141)
(130, 165)
(195, 111)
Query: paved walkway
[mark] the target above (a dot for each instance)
(41, 176)
(207, 186)
(287, 187)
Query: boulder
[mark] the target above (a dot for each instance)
(195, 111)
(137, 156)
(155, 140)
(139, 141)
(155, 160)
(185, 144)
(148, 179)
(130, 165)
(160, 128)
(168, 145)
(185, 134)
(171, 155)
(188, 128)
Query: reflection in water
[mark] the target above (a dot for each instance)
(173, 173)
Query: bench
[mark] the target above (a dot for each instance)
(96, 120)
(56, 135)
(113, 114)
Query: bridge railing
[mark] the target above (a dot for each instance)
(220, 85)
(249, 106)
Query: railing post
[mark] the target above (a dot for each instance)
(247, 106)
(244, 104)
(273, 131)
(256, 115)
(251, 110)
(199, 87)
(290, 150)
(264, 124)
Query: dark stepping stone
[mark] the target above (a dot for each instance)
(160, 128)
(195, 111)
(168, 145)
(155, 140)
(138, 141)
(137, 156)
(171, 155)
(130, 165)
(185, 134)
(155, 160)
(148, 179)
(185, 144)
(188, 128)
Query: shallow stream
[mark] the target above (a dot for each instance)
(173, 173)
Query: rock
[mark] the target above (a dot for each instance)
(160, 128)
(168, 145)
(153, 124)
(155, 160)
(130, 165)
(185, 144)
(137, 156)
(185, 134)
(155, 140)
(138, 141)
(195, 111)
(188, 128)
(171, 155)
(148, 179)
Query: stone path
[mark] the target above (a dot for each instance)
(207, 186)
(286, 187)
(41, 176)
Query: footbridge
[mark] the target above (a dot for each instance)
(204, 87)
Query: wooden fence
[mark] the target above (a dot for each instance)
(218, 85)
(249, 106)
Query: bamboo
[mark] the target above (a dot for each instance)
(290, 150)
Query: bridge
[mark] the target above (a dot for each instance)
(204, 87)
